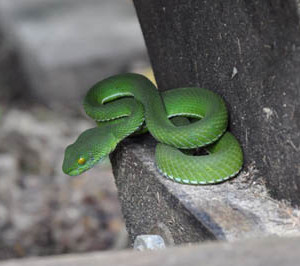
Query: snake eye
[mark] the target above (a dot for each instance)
(81, 161)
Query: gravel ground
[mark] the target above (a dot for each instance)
(50, 54)
(43, 211)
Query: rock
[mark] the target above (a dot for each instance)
(151, 242)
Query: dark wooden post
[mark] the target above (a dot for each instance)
(249, 52)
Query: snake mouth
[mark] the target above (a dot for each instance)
(79, 170)
(74, 172)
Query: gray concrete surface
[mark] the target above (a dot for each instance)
(267, 252)
(67, 45)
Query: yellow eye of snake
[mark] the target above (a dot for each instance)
(81, 161)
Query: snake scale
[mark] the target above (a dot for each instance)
(125, 103)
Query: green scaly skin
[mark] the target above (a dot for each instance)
(119, 117)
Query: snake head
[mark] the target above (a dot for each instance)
(91, 147)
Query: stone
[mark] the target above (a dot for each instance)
(148, 242)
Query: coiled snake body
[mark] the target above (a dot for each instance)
(122, 103)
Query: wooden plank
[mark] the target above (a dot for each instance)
(267, 252)
(230, 211)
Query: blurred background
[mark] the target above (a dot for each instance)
(51, 53)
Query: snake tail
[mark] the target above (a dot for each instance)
(224, 161)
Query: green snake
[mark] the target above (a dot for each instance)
(127, 103)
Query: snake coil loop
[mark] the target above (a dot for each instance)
(121, 104)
